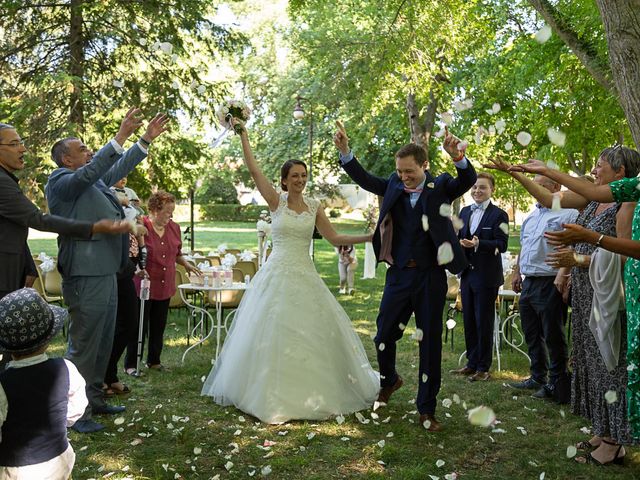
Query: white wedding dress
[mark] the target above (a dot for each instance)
(291, 352)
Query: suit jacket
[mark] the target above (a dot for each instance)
(485, 263)
(438, 190)
(17, 215)
(84, 194)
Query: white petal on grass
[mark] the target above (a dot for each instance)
(434, 477)
(425, 223)
(446, 210)
(119, 421)
(571, 451)
(451, 324)
(556, 137)
(523, 138)
(340, 419)
(266, 470)
(345, 439)
(505, 228)
(456, 399)
(228, 466)
(310, 435)
(611, 396)
(481, 416)
(197, 450)
(390, 435)
(541, 477)
(381, 443)
(440, 463)
(508, 146)
(136, 441)
(445, 253)
(426, 424)
(556, 203)
(446, 403)
(451, 476)
(543, 34)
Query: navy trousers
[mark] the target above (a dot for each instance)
(422, 292)
(478, 314)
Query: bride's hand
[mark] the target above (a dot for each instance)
(237, 124)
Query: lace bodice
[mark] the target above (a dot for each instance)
(291, 232)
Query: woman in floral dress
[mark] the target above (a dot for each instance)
(617, 423)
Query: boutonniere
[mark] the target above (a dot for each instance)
(430, 185)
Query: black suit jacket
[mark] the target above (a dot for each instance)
(17, 215)
(438, 190)
(485, 264)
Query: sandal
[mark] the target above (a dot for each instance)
(586, 445)
(590, 459)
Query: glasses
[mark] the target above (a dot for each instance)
(15, 144)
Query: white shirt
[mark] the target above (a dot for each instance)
(476, 216)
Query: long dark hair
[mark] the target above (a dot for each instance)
(284, 171)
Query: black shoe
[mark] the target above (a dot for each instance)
(528, 384)
(87, 426)
(109, 410)
(543, 392)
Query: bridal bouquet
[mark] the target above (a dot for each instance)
(233, 108)
(263, 225)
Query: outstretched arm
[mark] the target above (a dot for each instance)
(568, 199)
(264, 185)
(326, 230)
(591, 192)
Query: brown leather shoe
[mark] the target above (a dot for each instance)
(463, 371)
(433, 425)
(385, 392)
(480, 377)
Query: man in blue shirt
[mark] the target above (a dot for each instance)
(542, 309)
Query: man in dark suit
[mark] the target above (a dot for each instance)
(484, 237)
(416, 238)
(18, 214)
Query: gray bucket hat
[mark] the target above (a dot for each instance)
(27, 322)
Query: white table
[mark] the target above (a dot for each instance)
(219, 324)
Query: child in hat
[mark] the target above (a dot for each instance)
(39, 396)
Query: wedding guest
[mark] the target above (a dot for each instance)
(79, 189)
(347, 264)
(484, 238)
(164, 249)
(418, 243)
(39, 396)
(591, 378)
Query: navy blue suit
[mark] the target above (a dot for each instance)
(415, 283)
(480, 281)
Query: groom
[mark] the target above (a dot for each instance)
(418, 243)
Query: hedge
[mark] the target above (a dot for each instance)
(232, 213)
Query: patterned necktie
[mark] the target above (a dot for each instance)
(413, 190)
(476, 206)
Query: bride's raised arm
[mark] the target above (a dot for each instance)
(264, 185)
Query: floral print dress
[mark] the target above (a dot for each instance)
(626, 190)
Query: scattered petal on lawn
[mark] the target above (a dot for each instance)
(310, 435)
(447, 117)
(390, 435)
(439, 463)
(374, 415)
(136, 441)
(340, 419)
(481, 416)
(522, 430)
(425, 377)
(586, 430)
(505, 228)
(425, 223)
(571, 451)
(451, 476)
(197, 450)
(376, 405)
(241, 418)
(418, 334)
(611, 397)
(266, 470)
(238, 432)
(456, 399)
(555, 203)
(556, 137)
(543, 34)
(508, 146)
(498, 430)
(345, 439)
(381, 347)
(282, 433)
(269, 443)
(386, 420)
(381, 443)
(165, 466)
(119, 421)
(523, 138)
(228, 466)
(446, 210)
(269, 454)
(426, 424)
(562, 413)
(445, 253)
(541, 477)
(433, 477)
(446, 403)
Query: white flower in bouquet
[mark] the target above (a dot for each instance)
(47, 265)
(222, 248)
(246, 256)
(229, 260)
(233, 108)
(263, 227)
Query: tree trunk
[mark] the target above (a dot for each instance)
(421, 130)
(76, 64)
(620, 19)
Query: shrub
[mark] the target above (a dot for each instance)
(231, 212)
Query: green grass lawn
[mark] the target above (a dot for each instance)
(170, 431)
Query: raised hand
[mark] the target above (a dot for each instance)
(534, 166)
(157, 126)
(131, 122)
(340, 138)
(498, 164)
(110, 227)
(565, 257)
(571, 235)
(453, 145)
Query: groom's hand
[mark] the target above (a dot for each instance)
(340, 139)
(453, 145)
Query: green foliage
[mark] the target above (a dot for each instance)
(217, 190)
(232, 212)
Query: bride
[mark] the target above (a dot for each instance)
(291, 352)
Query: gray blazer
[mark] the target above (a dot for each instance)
(84, 194)
(17, 215)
